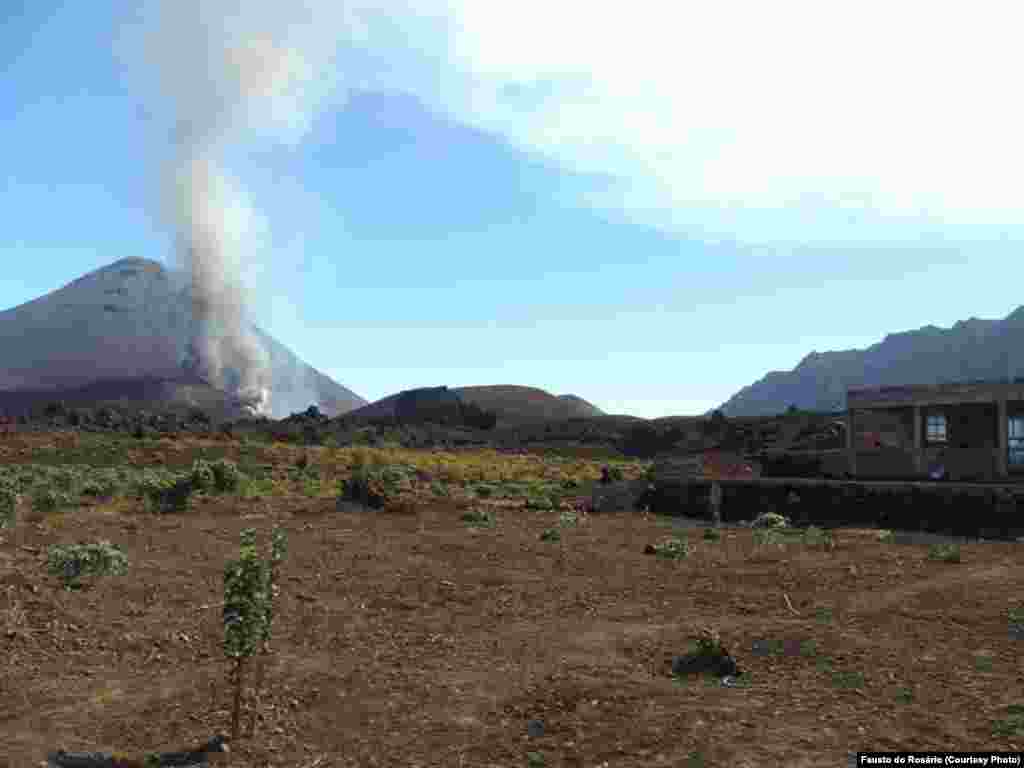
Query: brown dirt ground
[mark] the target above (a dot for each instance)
(412, 640)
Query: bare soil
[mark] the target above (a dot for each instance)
(414, 640)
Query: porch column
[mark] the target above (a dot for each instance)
(1003, 449)
(918, 441)
(851, 448)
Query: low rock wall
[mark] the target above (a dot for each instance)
(950, 509)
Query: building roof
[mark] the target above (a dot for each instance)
(935, 394)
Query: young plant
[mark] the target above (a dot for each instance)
(848, 679)
(202, 476)
(1012, 726)
(479, 518)
(8, 504)
(278, 550)
(947, 553)
(1016, 619)
(673, 549)
(818, 537)
(249, 585)
(72, 561)
(770, 520)
(226, 476)
(165, 492)
(539, 503)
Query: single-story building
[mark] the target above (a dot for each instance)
(970, 431)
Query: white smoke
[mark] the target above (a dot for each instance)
(229, 75)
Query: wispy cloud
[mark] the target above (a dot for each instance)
(793, 120)
(799, 120)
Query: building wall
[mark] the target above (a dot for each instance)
(884, 440)
(885, 463)
(971, 449)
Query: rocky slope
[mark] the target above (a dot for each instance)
(972, 350)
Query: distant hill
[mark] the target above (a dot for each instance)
(527, 405)
(513, 405)
(972, 350)
(132, 320)
(390, 407)
(582, 406)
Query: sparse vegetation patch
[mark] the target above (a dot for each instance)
(70, 562)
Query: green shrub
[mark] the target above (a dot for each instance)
(479, 518)
(551, 534)
(364, 486)
(818, 537)
(72, 561)
(712, 534)
(226, 476)
(673, 548)
(47, 500)
(201, 476)
(311, 486)
(255, 487)
(103, 483)
(1012, 726)
(8, 505)
(768, 536)
(166, 492)
(848, 679)
(484, 490)
(770, 520)
(947, 553)
(710, 643)
(63, 479)
(567, 519)
(539, 503)
(92, 488)
(886, 537)
(1016, 615)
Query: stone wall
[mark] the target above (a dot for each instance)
(959, 510)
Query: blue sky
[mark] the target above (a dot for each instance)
(651, 210)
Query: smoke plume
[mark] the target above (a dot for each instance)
(230, 75)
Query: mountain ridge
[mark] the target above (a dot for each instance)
(974, 349)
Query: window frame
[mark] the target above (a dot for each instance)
(936, 436)
(1015, 441)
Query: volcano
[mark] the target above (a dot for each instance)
(130, 328)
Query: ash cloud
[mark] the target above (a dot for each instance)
(228, 76)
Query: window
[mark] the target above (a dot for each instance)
(936, 428)
(1016, 441)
